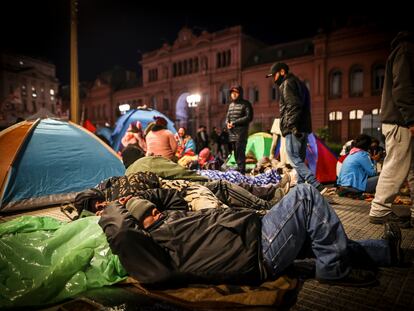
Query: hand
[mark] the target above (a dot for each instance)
(411, 128)
(230, 125)
(124, 200)
(376, 157)
(297, 133)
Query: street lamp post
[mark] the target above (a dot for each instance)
(192, 101)
(74, 80)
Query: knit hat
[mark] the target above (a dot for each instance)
(160, 121)
(83, 199)
(139, 208)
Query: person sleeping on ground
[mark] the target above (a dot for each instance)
(165, 248)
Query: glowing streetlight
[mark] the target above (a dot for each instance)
(124, 108)
(193, 100)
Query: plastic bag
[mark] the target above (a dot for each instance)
(43, 260)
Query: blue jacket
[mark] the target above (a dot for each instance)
(355, 170)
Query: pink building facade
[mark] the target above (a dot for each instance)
(344, 71)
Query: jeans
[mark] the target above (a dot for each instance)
(371, 184)
(296, 151)
(302, 216)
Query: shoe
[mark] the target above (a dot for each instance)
(284, 183)
(403, 223)
(356, 278)
(392, 233)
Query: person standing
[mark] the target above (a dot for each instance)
(295, 120)
(201, 138)
(397, 117)
(239, 115)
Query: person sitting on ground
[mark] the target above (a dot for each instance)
(204, 157)
(160, 140)
(232, 246)
(134, 136)
(358, 173)
(185, 144)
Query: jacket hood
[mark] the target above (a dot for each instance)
(403, 36)
(239, 89)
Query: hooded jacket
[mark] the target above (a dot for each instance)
(240, 113)
(211, 246)
(397, 102)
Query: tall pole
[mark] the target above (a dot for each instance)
(74, 80)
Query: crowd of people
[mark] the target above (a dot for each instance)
(179, 216)
(210, 226)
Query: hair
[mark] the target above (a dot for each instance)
(130, 154)
(363, 141)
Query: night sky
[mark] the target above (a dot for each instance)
(114, 33)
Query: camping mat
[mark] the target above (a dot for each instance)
(43, 260)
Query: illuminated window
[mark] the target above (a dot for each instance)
(356, 114)
(335, 115)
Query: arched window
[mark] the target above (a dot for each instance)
(335, 115)
(218, 60)
(356, 114)
(256, 94)
(335, 84)
(274, 93)
(378, 74)
(356, 81)
(376, 111)
(335, 125)
(224, 94)
(354, 124)
(154, 102)
(252, 94)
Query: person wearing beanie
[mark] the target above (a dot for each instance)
(160, 140)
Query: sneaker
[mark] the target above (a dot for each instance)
(392, 233)
(356, 278)
(391, 217)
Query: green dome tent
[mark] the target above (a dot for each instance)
(258, 144)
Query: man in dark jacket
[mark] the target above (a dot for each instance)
(174, 248)
(239, 115)
(397, 117)
(295, 120)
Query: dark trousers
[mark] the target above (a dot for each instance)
(239, 148)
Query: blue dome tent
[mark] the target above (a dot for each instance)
(145, 116)
(47, 162)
